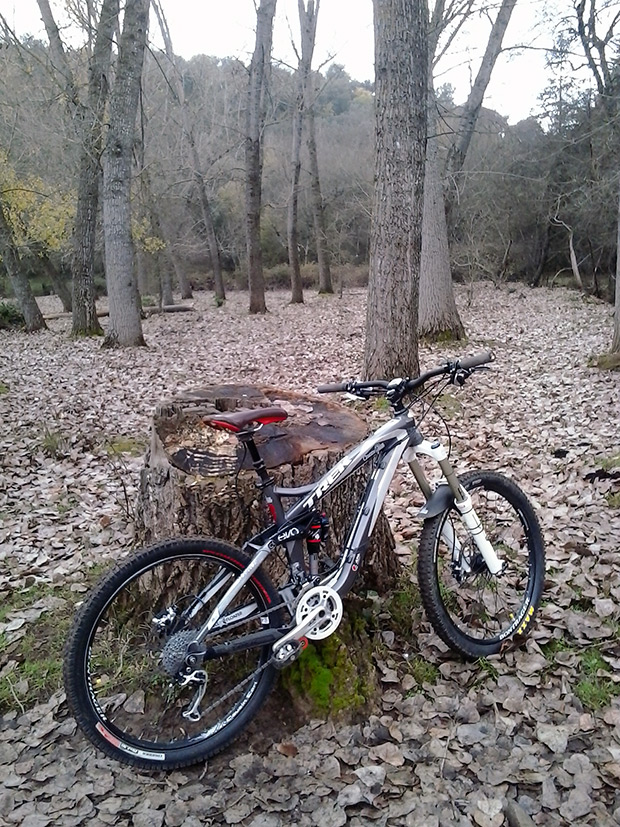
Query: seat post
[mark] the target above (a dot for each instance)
(258, 463)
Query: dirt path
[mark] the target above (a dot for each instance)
(540, 726)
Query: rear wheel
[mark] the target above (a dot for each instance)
(129, 645)
(472, 610)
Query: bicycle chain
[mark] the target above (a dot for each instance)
(256, 671)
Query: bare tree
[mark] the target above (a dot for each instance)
(255, 121)
(615, 343)
(471, 110)
(401, 68)
(307, 25)
(125, 326)
(596, 46)
(438, 315)
(188, 132)
(318, 211)
(89, 120)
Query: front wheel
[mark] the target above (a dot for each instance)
(125, 660)
(472, 610)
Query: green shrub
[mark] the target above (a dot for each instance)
(11, 317)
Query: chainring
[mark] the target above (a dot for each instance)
(330, 601)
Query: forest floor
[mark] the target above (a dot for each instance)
(539, 726)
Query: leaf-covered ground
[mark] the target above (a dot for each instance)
(539, 727)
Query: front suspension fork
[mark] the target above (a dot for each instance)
(463, 504)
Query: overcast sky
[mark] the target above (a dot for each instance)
(344, 34)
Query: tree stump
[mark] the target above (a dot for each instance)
(196, 481)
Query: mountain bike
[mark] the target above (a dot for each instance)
(174, 651)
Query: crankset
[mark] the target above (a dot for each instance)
(329, 602)
(318, 615)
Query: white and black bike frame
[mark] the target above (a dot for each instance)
(396, 440)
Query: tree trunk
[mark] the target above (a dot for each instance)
(574, 264)
(307, 25)
(18, 277)
(165, 282)
(401, 69)
(207, 218)
(318, 211)
(125, 326)
(441, 318)
(438, 314)
(85, 321)
(183, 282)
(59, 284)
(255, 121)
(615, 344)
(471, 110)
(542, 256)
(89, 120)
(297, 294)
(189, 486)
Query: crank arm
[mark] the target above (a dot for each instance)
(315, 616)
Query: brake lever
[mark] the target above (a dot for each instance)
(460, 376)
(356, 397)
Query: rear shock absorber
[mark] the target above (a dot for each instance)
(316, 536)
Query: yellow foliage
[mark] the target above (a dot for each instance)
(39, 218)
(142, 235)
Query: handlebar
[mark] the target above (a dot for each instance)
(395, 390)
(353, 386)
(476, 360)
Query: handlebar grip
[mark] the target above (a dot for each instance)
(339, 387)
(476, 360)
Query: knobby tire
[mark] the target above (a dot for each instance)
(482, 613)
(118, 691)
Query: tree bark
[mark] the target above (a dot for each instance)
(471, 110)
(307, 25)
(178, 266)
(605, 75)
(89, 121)
(189, 485)
(401, 69)
(615, 344)
(125, 326)
(85, 321)
(58, 282)
(18, 276)
(438, 314)
(441, 317)
(297, 294)
(255, 121)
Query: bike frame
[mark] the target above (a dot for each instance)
(395, 440)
